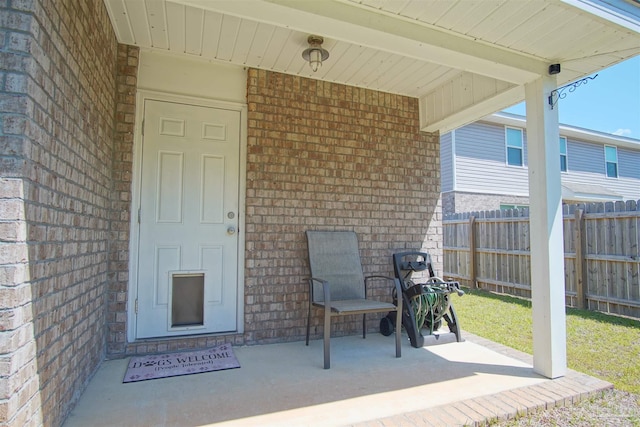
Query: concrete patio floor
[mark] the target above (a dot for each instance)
(468, 383)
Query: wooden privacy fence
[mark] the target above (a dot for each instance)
(601, 254)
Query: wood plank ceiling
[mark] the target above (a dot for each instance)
(409, 47)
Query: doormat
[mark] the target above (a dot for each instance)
(175, 364)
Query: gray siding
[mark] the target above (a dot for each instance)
(629, 164)
(628, 183)
(481, 162)
(585, 157)
(446, 162)
(586, 165)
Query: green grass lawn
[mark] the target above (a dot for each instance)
(603, 346)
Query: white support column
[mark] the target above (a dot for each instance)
(547, 246)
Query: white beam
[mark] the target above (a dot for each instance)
(547, 246)
(375, 29)
(466, 115)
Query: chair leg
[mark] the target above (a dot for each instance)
(327, 338)
(399, 329)
(364, 325)
(308, 322)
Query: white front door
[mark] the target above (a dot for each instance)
(188, 244)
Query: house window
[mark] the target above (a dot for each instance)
(611, 161)
(514, 147)
(563, 154)
(507, 207)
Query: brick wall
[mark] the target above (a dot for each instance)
(457, 201)
(331, 157)
(126, 81)
(57, 103)
(448, 202)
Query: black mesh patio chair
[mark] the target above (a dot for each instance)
(338, 286)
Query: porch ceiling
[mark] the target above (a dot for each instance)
(464, 59)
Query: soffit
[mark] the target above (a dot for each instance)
(407, 47)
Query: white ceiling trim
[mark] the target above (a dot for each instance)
(120, 22)
(361, 25)
(626, 14)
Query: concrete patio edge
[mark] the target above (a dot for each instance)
(567, 390)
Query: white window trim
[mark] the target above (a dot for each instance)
(506, 146)
(616, 162)
(566, 154)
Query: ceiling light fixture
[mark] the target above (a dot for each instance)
(315, 54)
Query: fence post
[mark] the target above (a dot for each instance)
(580, 265)
(472, 251)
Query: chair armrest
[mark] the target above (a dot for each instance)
(326, 290)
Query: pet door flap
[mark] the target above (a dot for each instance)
(186, 299)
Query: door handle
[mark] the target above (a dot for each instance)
(231, 230)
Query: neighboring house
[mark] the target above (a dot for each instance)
(155, 146)
(484, 165)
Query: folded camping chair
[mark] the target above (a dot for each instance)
(338, 285)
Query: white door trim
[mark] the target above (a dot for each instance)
(134, 227)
